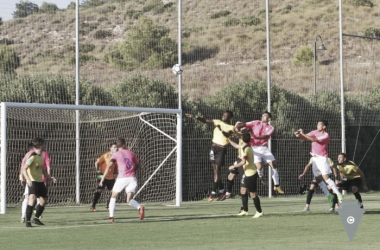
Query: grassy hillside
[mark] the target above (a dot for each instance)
(223, 42)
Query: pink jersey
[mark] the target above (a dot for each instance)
(126, 162)
(45, 156)
(319, 147)
(259, 129)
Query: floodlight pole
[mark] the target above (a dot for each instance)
(343, 123)
(77, 102)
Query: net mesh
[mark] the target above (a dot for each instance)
(97, 130)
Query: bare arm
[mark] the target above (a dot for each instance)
(307, 167)
(300, 134)
(25, 175)
(237, 165)
(97, 165)
(47, 175)
(234, 144)
(201, 119)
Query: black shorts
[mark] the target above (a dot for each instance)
(107, 183)
(250, 182)
(238, 170)
(39, 189)
(346, 184)
(217, 155)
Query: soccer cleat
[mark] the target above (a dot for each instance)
(258, 215)
(93, 209)
(243, 213)
(330, 211)
(279, 190)
(306, 209)
(221, 197)
(111, 220)
(330, 198)
(141, 212)
(211, 197)
(28, 224)
(22, 220)
(241, 209)
(38, 222)
(107, 207)
(340, 198)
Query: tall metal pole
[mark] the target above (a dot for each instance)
(268, 87)
(315, 69)
(77, 93)
(3, 188)
(179, 116)
(343, 123)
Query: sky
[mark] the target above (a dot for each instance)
(7, 7)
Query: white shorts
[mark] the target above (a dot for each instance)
(128, 183)
(321, 166)
(261, 153)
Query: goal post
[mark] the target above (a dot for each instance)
(153, 134)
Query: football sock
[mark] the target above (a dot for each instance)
(112, 206)
(134, 204)
(220, 185)
(276, 179)
(40, 209)
(244, 199)
(335, 200)
(323, 187)
(108, 201)
(96, 198)
(309, 196)
(23, 208)
(256, 202)
(215, 187)
(29, 211)
(230, 184)
(333, 186)
(358, 197)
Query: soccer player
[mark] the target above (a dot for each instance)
(328, 192)
(261, 133)
(355, 177)
(46, 166)
(319, 141)
(127, 164)
(249, 178)
(218, 149)
(109, 180)
(32, 172)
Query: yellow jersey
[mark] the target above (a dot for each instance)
(350, 170)
(249, 167)
(36, 164)
(218, 136)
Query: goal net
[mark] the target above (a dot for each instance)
(150, 133)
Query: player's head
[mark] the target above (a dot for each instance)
(322, 125)
(246, 137)
(227, 116)
(113, 147)
(30, 146)
(342, 157)
(266, 116)
(38, 143)
(120, 143)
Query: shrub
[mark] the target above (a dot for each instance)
(9, 61)
(220, 14)
(250, 20)
(48, 8)
(72, 6)
(99, 34)
(83, 58)
(93, 3)
(24, 9)
(367, 3)
(134, 14)
(304, 56)
(6, 41)
(372, 32)
(231, 22)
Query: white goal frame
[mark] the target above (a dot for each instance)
(5, 105)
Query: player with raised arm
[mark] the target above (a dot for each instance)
(319, 141)
(249, 178)
(127, 164)
(32, 171)
(218, 149)
(351, 177)
(109, 180)
(261, 133)
(332, 198)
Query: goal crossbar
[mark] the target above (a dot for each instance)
(3, 131)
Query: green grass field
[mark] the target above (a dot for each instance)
(195, 225)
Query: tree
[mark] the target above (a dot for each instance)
(24, 9)
(148, 46)
(93, 3)
(9, 60)
(49, 8)
(1, 21)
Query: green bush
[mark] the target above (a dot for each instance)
(83, 58)
(150, 5)
(304, 56)
(6, 41)
(372, 32)
(106, 9)
(133, 14)
(86, 47)
(148, 46)
(220, 14)
(231, 22)
(93, 3)
(1, 21)
(24, 9)
(250, 20)
(9, 61)
(72, 6)
(99, 34)
(48, 8)
(367, 3)
(286, 9)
